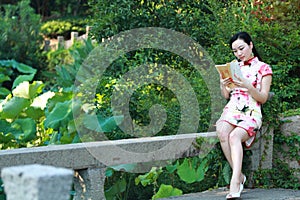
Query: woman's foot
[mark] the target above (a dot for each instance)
(243, 179)
(235, 195)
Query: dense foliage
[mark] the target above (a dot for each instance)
(20, 34)
(34, 112)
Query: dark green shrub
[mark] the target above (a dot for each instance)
(20, 37)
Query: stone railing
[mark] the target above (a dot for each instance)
(90, 160)
(60, 42)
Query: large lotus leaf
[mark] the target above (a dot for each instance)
(101, 124)
(58, 97)
(6, 138)
(25, 69)
(12, 108)
(4, 92)
(186, 172)
(3, 78)
(201, 170)
(59, 116)
(5, 126)
(167, 191)
(22, 78)
(9, 63)
(34, 113)
(5, 132)
(19, 66)
(28, 91)
(118, 187)
(25, 129)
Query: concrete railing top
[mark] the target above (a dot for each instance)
(105, 153)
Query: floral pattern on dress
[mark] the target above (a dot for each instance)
(242, 110)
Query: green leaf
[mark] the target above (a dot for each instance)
(25, 69)
(202, 169)
(5, 126)
(4, 92)
(14, 107)
(186, 172)
(58, 97)
(26, 129)
(59, 116)
(226, 172)
(3, 78)
(171, 168)
(124, 167)
(6, 138)
(117, 188)
(34, 113)
(19, 66)
(109, 172)
(150, 177)
(101, 124)
(22, 78)
(167, 191)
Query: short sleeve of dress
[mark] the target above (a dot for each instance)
(265, 70)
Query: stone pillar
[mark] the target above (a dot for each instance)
(262, 149)
(37, 182)
(89, 184)
(74, 37)
(60, 42)
(87, 31)
(46, 45)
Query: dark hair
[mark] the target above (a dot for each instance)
(246, 38)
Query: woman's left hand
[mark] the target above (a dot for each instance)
(242, 82)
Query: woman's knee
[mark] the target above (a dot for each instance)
(223, 131)
(223, 135)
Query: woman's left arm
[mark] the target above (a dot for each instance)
(259, 95)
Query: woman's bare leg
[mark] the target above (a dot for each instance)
(236, 137)
(224, 129)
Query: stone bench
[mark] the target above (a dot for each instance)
(90, 160)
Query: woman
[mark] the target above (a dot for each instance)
(241, 117)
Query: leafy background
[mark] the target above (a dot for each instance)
(36, 86)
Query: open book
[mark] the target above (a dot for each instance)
(230, 70)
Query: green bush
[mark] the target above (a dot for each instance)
(64, 27)
(20, 37)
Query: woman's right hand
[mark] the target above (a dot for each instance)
(225, 82)
(225, 89)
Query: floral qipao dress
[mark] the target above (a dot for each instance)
(242, 110)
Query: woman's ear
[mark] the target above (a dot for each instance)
(251, 45)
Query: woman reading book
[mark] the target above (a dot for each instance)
(241, 117)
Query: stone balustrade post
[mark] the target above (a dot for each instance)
(37, 182)
(74, 37)
(60, 42)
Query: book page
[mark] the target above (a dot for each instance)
(235, 70)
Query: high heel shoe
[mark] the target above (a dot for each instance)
(243, 183)
(244, 180)
(237, 194)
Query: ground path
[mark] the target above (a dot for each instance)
(253, 194)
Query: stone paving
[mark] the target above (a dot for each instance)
(253, 194)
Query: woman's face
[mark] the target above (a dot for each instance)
(242, 50)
